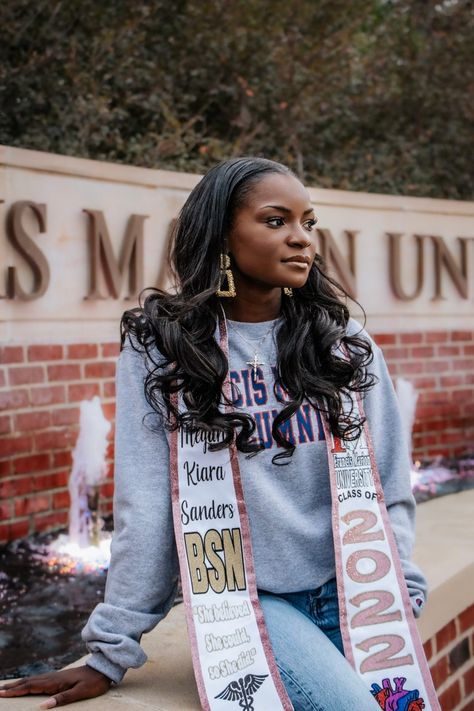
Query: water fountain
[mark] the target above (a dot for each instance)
(440, 475)
(84, 544)
(49, 584)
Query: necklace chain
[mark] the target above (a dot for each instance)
(254, 341)
(255, 344)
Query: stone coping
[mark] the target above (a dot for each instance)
(444, 550)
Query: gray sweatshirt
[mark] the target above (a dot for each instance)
(289, 507)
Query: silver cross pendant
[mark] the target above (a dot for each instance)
(255, 363)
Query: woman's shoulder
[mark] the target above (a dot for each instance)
(138, 355)
(354, 329)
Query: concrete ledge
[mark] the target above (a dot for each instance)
(164, 683)
(444, 550)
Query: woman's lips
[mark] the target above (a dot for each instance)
(298, 261)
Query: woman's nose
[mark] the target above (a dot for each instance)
(299, 237)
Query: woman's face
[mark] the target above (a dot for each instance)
(272, 242)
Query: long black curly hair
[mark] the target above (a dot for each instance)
(177, 330)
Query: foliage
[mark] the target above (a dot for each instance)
(363, 95)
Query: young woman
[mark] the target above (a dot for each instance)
(253, 307)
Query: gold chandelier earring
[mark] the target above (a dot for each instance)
(226, 273)
(288, 291)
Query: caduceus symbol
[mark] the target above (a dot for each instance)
(243, 690)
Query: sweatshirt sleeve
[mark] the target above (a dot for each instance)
(143, 572)
(393, 461)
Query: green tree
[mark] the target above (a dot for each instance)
(371, 95)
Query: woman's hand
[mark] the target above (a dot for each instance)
(63, 686)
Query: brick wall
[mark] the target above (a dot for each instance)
(41, 388)
(450, 654)
(441, 367)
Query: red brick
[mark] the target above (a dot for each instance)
(82, 351)
(107, 507)
(110, 350)
(445, 635)
(424, 383)
(422, 351)
(13, 399)
(105, 369)
(428, 649)
(62, 459)
(54, 439)
(42, 483)
(45, 353)
(424, 440)
(32, 421)
(433, 396)
(23, 375)
(462, 395)
(109, 388)
(2, 378)
(31, 464)
(463, 364)
(82, 391)
(5, 467)
(436, 336)
(408, 338)
(437, 366)
(466, 619)
(108, 408)
(49, 481)
(431, 426)
(462, 335)
(448, 351)
(450, 698)
(5, 425)
(64, 371)
(411, 367)
(14, 445)
(385, 339)
(12, 531)
(49, 395)
(396, 353)
(5, 510)
(451, 381)
(440, 671)
(61, 500)
(469, 681)
(468, 350)
(61, 479)
(11, 354)
(107, 490)
(33, 504)
(66, 416)
(16, 486)
(44, 522)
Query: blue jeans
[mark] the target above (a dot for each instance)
(307, 644)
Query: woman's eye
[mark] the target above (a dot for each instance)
(276, 221)
(309, 224)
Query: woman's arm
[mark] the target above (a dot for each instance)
(143, 572)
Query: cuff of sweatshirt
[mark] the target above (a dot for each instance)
(418, 600)
(100, 663)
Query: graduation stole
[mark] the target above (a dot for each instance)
(232, 656)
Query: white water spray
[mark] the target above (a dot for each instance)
(88, 472)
